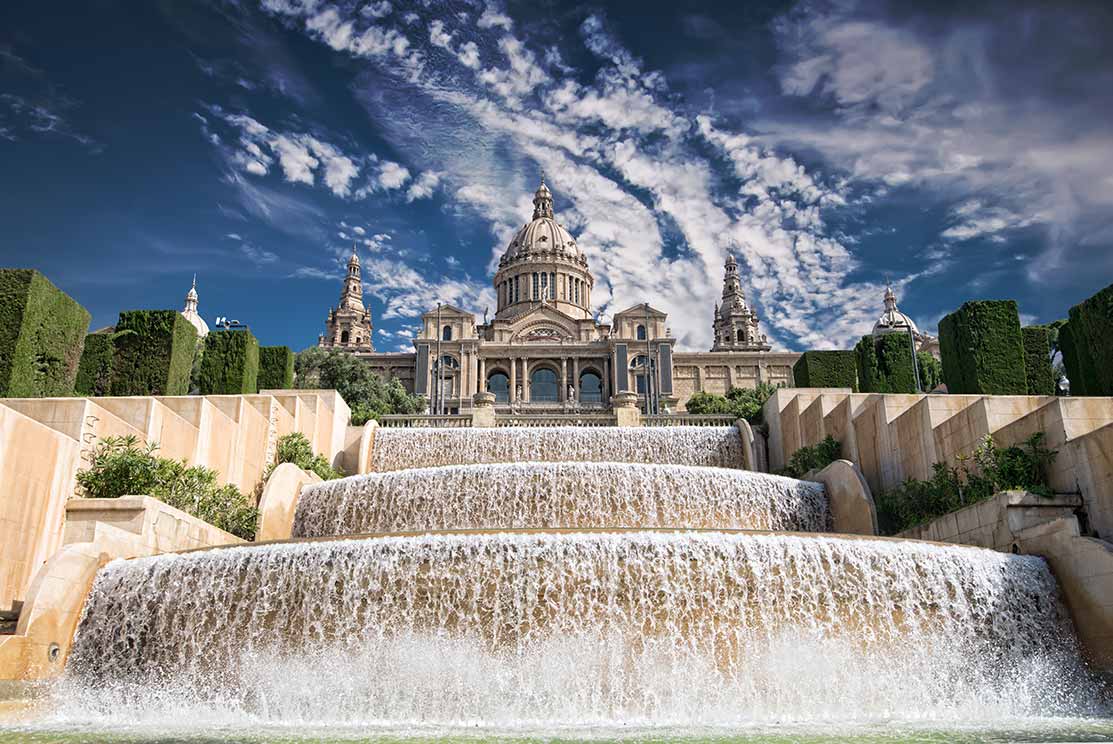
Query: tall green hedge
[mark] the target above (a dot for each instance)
(152, 353)
(1089, 366)
(276, 368)
(1037, 360)
(231, 363)
(42, 333)
(983, 349)
(826, 369)
(885, 364)
(94, 374)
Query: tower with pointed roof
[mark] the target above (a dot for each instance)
(349, 324)
(189, 311)
(736, 325)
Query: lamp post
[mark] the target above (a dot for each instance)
(915, 360)
(438, 409)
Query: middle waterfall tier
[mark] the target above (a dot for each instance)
(535, 495)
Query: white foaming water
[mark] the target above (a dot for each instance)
(521, 630)
(564, 495)
(399, 449)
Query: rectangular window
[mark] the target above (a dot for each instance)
(536, 286)
(516, 287)
(577, 281)
(544, 286)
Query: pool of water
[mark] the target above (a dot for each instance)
(1053, 730)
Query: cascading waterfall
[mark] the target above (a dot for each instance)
(521, 629)
(569, 495)
(400, 449)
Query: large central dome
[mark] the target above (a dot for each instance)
(543, 265)
(542, 234)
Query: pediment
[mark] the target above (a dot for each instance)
(639, 311)
(544, 325)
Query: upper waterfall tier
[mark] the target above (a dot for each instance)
(581, 628)
(399, 449)
(555, 495)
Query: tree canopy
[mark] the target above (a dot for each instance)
(368, 394)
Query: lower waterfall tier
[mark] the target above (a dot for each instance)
(560, 495)
(400, 449)
(580, 628)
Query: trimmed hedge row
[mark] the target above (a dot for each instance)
(231, 363)
(826, 369)
(94, 373)
(1037, 360)
(885, 364)
(276, 368)
(153, 353)
(983, 349)
(1087, 344)
(42, 333)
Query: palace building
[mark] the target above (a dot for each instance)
(544, 350)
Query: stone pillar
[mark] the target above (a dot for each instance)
(626, 409)
(483, 410)
(525, 379)
(576, 377)
(513, 378)
(562, 394)
(481, 383)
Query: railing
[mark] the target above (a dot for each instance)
(430, 421)
(556, 419)
(688, 419)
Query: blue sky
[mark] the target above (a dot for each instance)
(962, 150)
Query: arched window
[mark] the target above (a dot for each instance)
(741, 336)
(344, 337)
(446, 333)
(641, 333)
(591, 387)
(499, 384)
(543, 385)
(358, 339)
(449, 362)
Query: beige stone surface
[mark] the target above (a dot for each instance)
(177, 438)
(852, 509)
(161, 527)
(746, 434)
(37, 474)
(280, 501)
(214, 430)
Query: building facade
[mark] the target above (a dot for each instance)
(544, 350)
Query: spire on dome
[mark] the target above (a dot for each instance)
(190, 311)
(191, 295)
(542, 201)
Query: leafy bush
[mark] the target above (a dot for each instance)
(296, 448)
(1037, 360)
(276, 368)
(94, 373)
(931, 371)
(152, 353)
(885, 364)
(42, 333)
(826, 369)
(367, 394)
(1089, 362)
(230, 365)
(816, 457)
(122, 466)
(994, 469)
(983, 350)
(740, 403)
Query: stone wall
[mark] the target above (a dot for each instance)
(45, 441)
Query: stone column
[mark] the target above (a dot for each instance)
(562, 394)
(481, 383)
(626, 409)
(483, 413)
(576, 377)
(513, 378)
(525, 379)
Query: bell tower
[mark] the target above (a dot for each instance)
(735, 325)
(349, 324)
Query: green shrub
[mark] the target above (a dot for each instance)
(740, 403)
(121, 466)
(94, 373)
(42, 333)
(826, 369)
(231, 363)
(152, 353)
(885, 364)
(276, 368)
(994, 469)
(1090, 364)
(931, 371)
(983, 350)
(816, 457)
(367, 394)
(1037, 360)
(296, 448)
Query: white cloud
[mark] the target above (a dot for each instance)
(377, 10)
(423, 186)
(492, 18)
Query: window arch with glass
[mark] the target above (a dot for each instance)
(499, 384)
(591, 387)
(543, 385)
